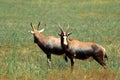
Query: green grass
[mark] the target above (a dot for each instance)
(90, 20)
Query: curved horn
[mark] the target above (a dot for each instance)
(67, 28)
(38, 25)
(32, 26)
(60, 28)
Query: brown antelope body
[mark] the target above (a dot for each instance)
(75, 49)
(49, 45)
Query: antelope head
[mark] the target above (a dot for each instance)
(36, 33)
(64, 37)
(35, 30)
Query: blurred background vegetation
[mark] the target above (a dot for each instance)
(90, 20)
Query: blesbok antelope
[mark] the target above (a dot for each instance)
(75, 49)
(48, 44)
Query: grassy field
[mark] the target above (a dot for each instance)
(90, 20)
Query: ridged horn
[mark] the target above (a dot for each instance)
(60, 28)
(32, 26)
(38, 25)
(67, 28)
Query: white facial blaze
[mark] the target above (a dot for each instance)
(65, 40)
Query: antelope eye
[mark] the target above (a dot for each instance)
(62, 34)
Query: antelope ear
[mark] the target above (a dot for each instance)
(69, 33)
(41, 30)
(31, 32)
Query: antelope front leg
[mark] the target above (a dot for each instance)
(72, 64)
(49, 60)
(65, 58)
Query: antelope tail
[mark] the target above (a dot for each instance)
(105, 57)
